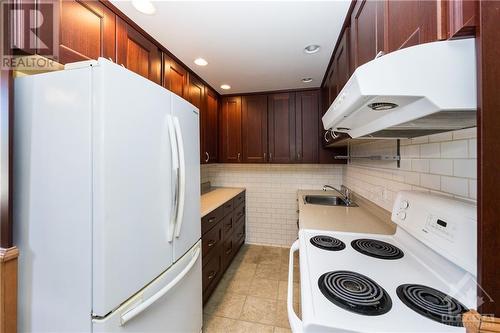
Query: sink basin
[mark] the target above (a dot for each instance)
(327, 200)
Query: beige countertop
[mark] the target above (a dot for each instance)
(367, 218)
(216, 197)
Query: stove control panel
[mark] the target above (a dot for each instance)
(446, 225)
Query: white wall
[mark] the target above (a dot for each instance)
(271, 194)
(443, 163)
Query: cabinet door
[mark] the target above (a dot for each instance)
(230, 129)
(367, 31)
(462, 17)
(196, 96)
(410, 23)
(136, 52)
(254, 128)
(175, 77)
(307, 126)
(210, 125)
(341, 62)
(87, 31)
(281, 128)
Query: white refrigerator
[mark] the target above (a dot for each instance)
(106, 203)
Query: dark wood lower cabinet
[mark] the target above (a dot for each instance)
(223, 233)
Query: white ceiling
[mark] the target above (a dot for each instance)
(250, 45)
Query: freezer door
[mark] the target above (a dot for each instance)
(132, 181)
(187, 215)
(171, 303)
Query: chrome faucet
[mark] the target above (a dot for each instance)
(344, 191)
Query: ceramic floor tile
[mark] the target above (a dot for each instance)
(238, 285)
(283, 291)
(241, 270)
(240, 326)
(264, 288)
(282, 314)
(259, 310)
(271, 272)
(284, 274)
(282, 330)
(215, 324)
(230, 306)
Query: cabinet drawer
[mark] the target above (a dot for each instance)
(239, 212)
(228, 207)
(211, 273)
(227, 252)
(211, 219)
(239, 199)
(238, 236)
(227, 226)
(210, 242)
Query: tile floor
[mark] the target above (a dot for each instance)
(251, 297)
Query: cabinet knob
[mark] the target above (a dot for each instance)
(212, 275)
(211, 243)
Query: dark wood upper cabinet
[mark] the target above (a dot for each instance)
(307, 126)
(230, 130)
(281, 127)
(196, 96)
(87, 31)
(254, 128)
(175, 77)
(462, 18)
(136, 52)
(411, 22)
(210, 125)
(341, 62)
(367, 31)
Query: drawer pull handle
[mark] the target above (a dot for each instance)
(212, 275)
(210, 220)
(211, 243)
(228, 206)
(229, 251)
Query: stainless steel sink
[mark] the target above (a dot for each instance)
(327, 200)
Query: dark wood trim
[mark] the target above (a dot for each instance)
(347, 23)
(162, 48)
(488, 161)
(8, 289)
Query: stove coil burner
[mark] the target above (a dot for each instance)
(355, 292)
(377, 249)
(432, 303)
(327, 243)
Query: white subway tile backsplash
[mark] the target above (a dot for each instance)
(454, 149)
(430, 150)
(441, 163)
(432, 182)
(464, 168)
(441, 167)
(456, 186)
(271, 196)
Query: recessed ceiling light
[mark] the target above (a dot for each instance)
(200, 62)
(144, 6)
(307, 79)
(310, 49)
(225, 86)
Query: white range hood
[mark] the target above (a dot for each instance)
(420, 90)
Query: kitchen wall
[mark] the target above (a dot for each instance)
(271, 194)
(443, 163)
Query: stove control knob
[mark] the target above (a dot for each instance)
(402, 215)
(404, 204)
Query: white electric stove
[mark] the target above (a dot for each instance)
(421, 279)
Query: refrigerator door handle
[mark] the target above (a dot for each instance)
(127, 316)
(175, 176)
(181, 178)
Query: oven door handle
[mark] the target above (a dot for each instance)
(295, 322)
